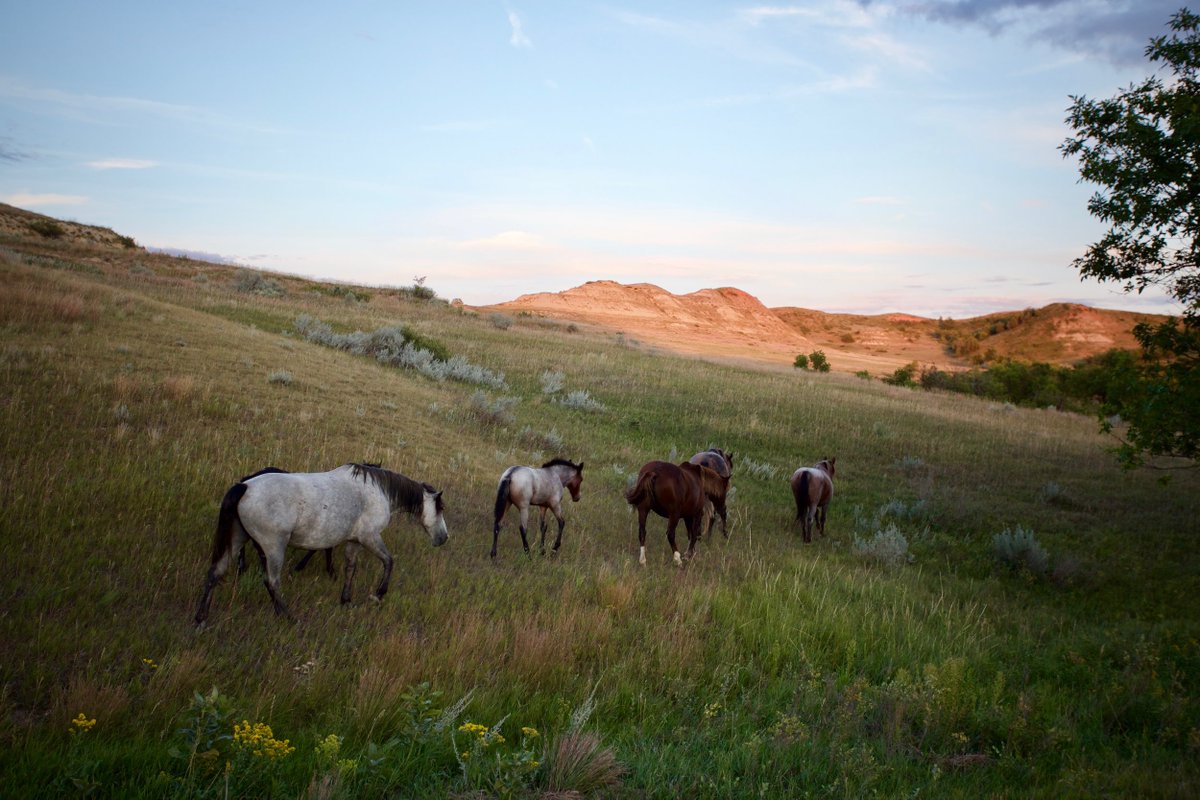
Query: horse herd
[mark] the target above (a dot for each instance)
(351, 505)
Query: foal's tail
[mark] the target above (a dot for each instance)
(502, 495)
(226, 519)
(801, 492)
(642, 490)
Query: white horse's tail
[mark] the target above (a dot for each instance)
(226, 519)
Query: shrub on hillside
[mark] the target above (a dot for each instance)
(254, 282)
(819, 362)
(888, 547)
(1018, 548)
(801, 361)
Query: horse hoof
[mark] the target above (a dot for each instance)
(678, 559)
(375, 598)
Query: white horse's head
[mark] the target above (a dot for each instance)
(431, 517)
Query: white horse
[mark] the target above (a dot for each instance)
(315, 511)
(526, 486)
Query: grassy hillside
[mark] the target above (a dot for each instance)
(897, 657)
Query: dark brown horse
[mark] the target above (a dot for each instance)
(675, 492)
(813, 489)
(721, 463)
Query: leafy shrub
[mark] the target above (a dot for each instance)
(862, 373)
(1017, 548)
(819, 362)
(903, 376)
(801, 361)
(419, 291)
(501, 321)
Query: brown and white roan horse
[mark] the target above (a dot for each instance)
(530, 486)
(675, 492)
(721, 463)
(813, 489)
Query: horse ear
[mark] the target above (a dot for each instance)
(438, 494)
(581, 466)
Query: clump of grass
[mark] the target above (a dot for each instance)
(491, 412)
(501, 321)
(200, 277)
(581, 400)
(888, 547)
(758, 469)
(550, 440)
(281, 377)
(141, 270)
(552, 382)
(254, 282)
(1019, 549)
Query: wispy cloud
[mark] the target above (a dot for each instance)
(36, 200)
(122, 163)
(518, 38)
(117, 105)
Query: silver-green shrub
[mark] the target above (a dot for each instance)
(1017, 548)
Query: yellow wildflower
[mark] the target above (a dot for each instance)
(82, 724)
(530, 732)
(260, 740)
(149, 663)
(328, 748)
(475, 728)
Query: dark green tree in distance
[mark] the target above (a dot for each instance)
(1142, 148)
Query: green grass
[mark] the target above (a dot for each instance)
(763, 668)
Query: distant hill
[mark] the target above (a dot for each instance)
(729, 323)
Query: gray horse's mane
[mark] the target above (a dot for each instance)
(561, 462)
(403, 492)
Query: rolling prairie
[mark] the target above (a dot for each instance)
(998, 610)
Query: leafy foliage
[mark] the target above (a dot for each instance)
(1142, 148)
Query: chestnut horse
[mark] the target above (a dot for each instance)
(721, 463)
(675, 492)
(813, 489)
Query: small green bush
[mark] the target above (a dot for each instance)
(819, 362)
(48, 228)
(801, 362)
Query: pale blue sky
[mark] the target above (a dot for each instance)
(844, 155)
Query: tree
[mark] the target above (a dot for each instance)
(1142, 148)
(819, 362)
(801, 362)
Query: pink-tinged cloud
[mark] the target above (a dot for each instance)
(30, 200)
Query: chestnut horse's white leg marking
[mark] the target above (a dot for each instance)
(642, 555)
(678, 559)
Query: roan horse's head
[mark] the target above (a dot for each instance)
(826, 465)
(431, 516)
(575, 482)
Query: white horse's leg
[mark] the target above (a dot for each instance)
(525, 526)
(375, 546)
(273, 555)
(351, 566)
(542, 526)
